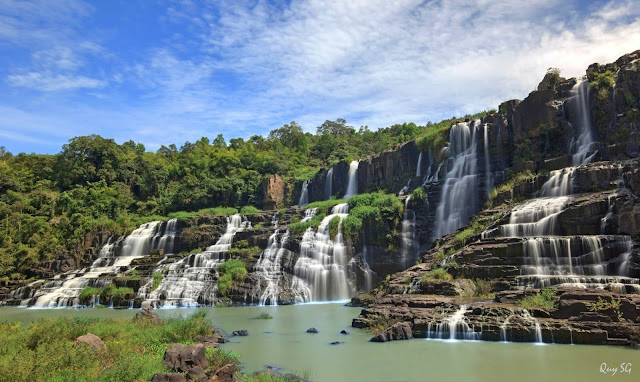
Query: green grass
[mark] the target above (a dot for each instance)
(299, 228)
(44, 351)
(546, 300)
(263, 316)
(437, 274)
(88, 293)
(326, 204)
(215, 211)
(157, 279)
(249, 210)
(514, 180)
(230, 271)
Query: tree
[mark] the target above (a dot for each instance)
(219, 142)
(339, 126)
(291, 136)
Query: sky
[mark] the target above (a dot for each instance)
(166, 72)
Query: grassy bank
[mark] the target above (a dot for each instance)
(45, 351)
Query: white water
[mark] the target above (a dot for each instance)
(352, 180)
(419, 167)
(322, 265)
(584, 147)
(192, 281)
(113, 259)
(536, 324)
(487, 161)
(304, 194)
(453, 327)
(459, 200)
(575, 261)
(328, 185)
(270, 268)
(408, 244)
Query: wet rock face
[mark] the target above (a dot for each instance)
(398, 331)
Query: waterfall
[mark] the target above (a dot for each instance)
(352, 180)
(585, 142)
(408, 245)
(453, 327)
(594, 261)
(304, 194)
(487, 162)
(459, 197)
(322, 265)
(192, 281)
(270, 268)
(419, 167)
(328, 185)
(536, 324)
(428, 177)
(114, 258)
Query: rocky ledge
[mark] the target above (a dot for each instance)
(580, 316)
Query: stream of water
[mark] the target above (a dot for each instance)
(284, 343)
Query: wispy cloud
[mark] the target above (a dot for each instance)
(244, 67)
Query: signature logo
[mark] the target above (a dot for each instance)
(625, 367)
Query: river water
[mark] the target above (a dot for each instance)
(284, 343)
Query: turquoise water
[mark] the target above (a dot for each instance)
(284, 343)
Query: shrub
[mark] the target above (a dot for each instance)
(603, 305)
(235, 268)
(263, 316)
(437, 274)
(157, 279)
(351, 225)
(546, 300)
(299, 228)
(249, 210)
(334, 225)
(224, 284)
(418, 194)
(87, 294)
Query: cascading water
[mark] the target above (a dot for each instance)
(328, 185)
(270, 268)
(192, 281)
(459, 197)
(487, 161)
(408, 245)
(113, 259)
(304, 194)
(584, 145)
(428, 177)
(596, 261)
(352, 180)
(419, 167)
(454, 327)
(322, 265)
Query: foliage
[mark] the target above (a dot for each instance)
(45, 351)
(334, 225)
(603, 82)
(437, 274)
(418, 194)
(546, 300)
(230, 271)
(157, 279)
(300, 227)
(249, 210)
(483, 288)
(87, 293)
(513, 180)
(264, 316)
(602, 305)
(373, 211)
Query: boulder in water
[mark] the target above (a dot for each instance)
(336, 343)
(397, 331)
(91, 340)
(312, 330)
(147, 314)
(344, 332)
(185, 357)
(240, 333)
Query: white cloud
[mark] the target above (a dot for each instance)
(53, 82)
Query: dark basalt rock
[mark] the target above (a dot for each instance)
(336, 343)
(240, 333)
(185, 357)
(312, 330)
(147, 314)
(344, 332)
(398, 331)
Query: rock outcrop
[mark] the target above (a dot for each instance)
(273, 193)
(91, 340)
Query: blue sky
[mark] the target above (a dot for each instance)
(173, 71)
